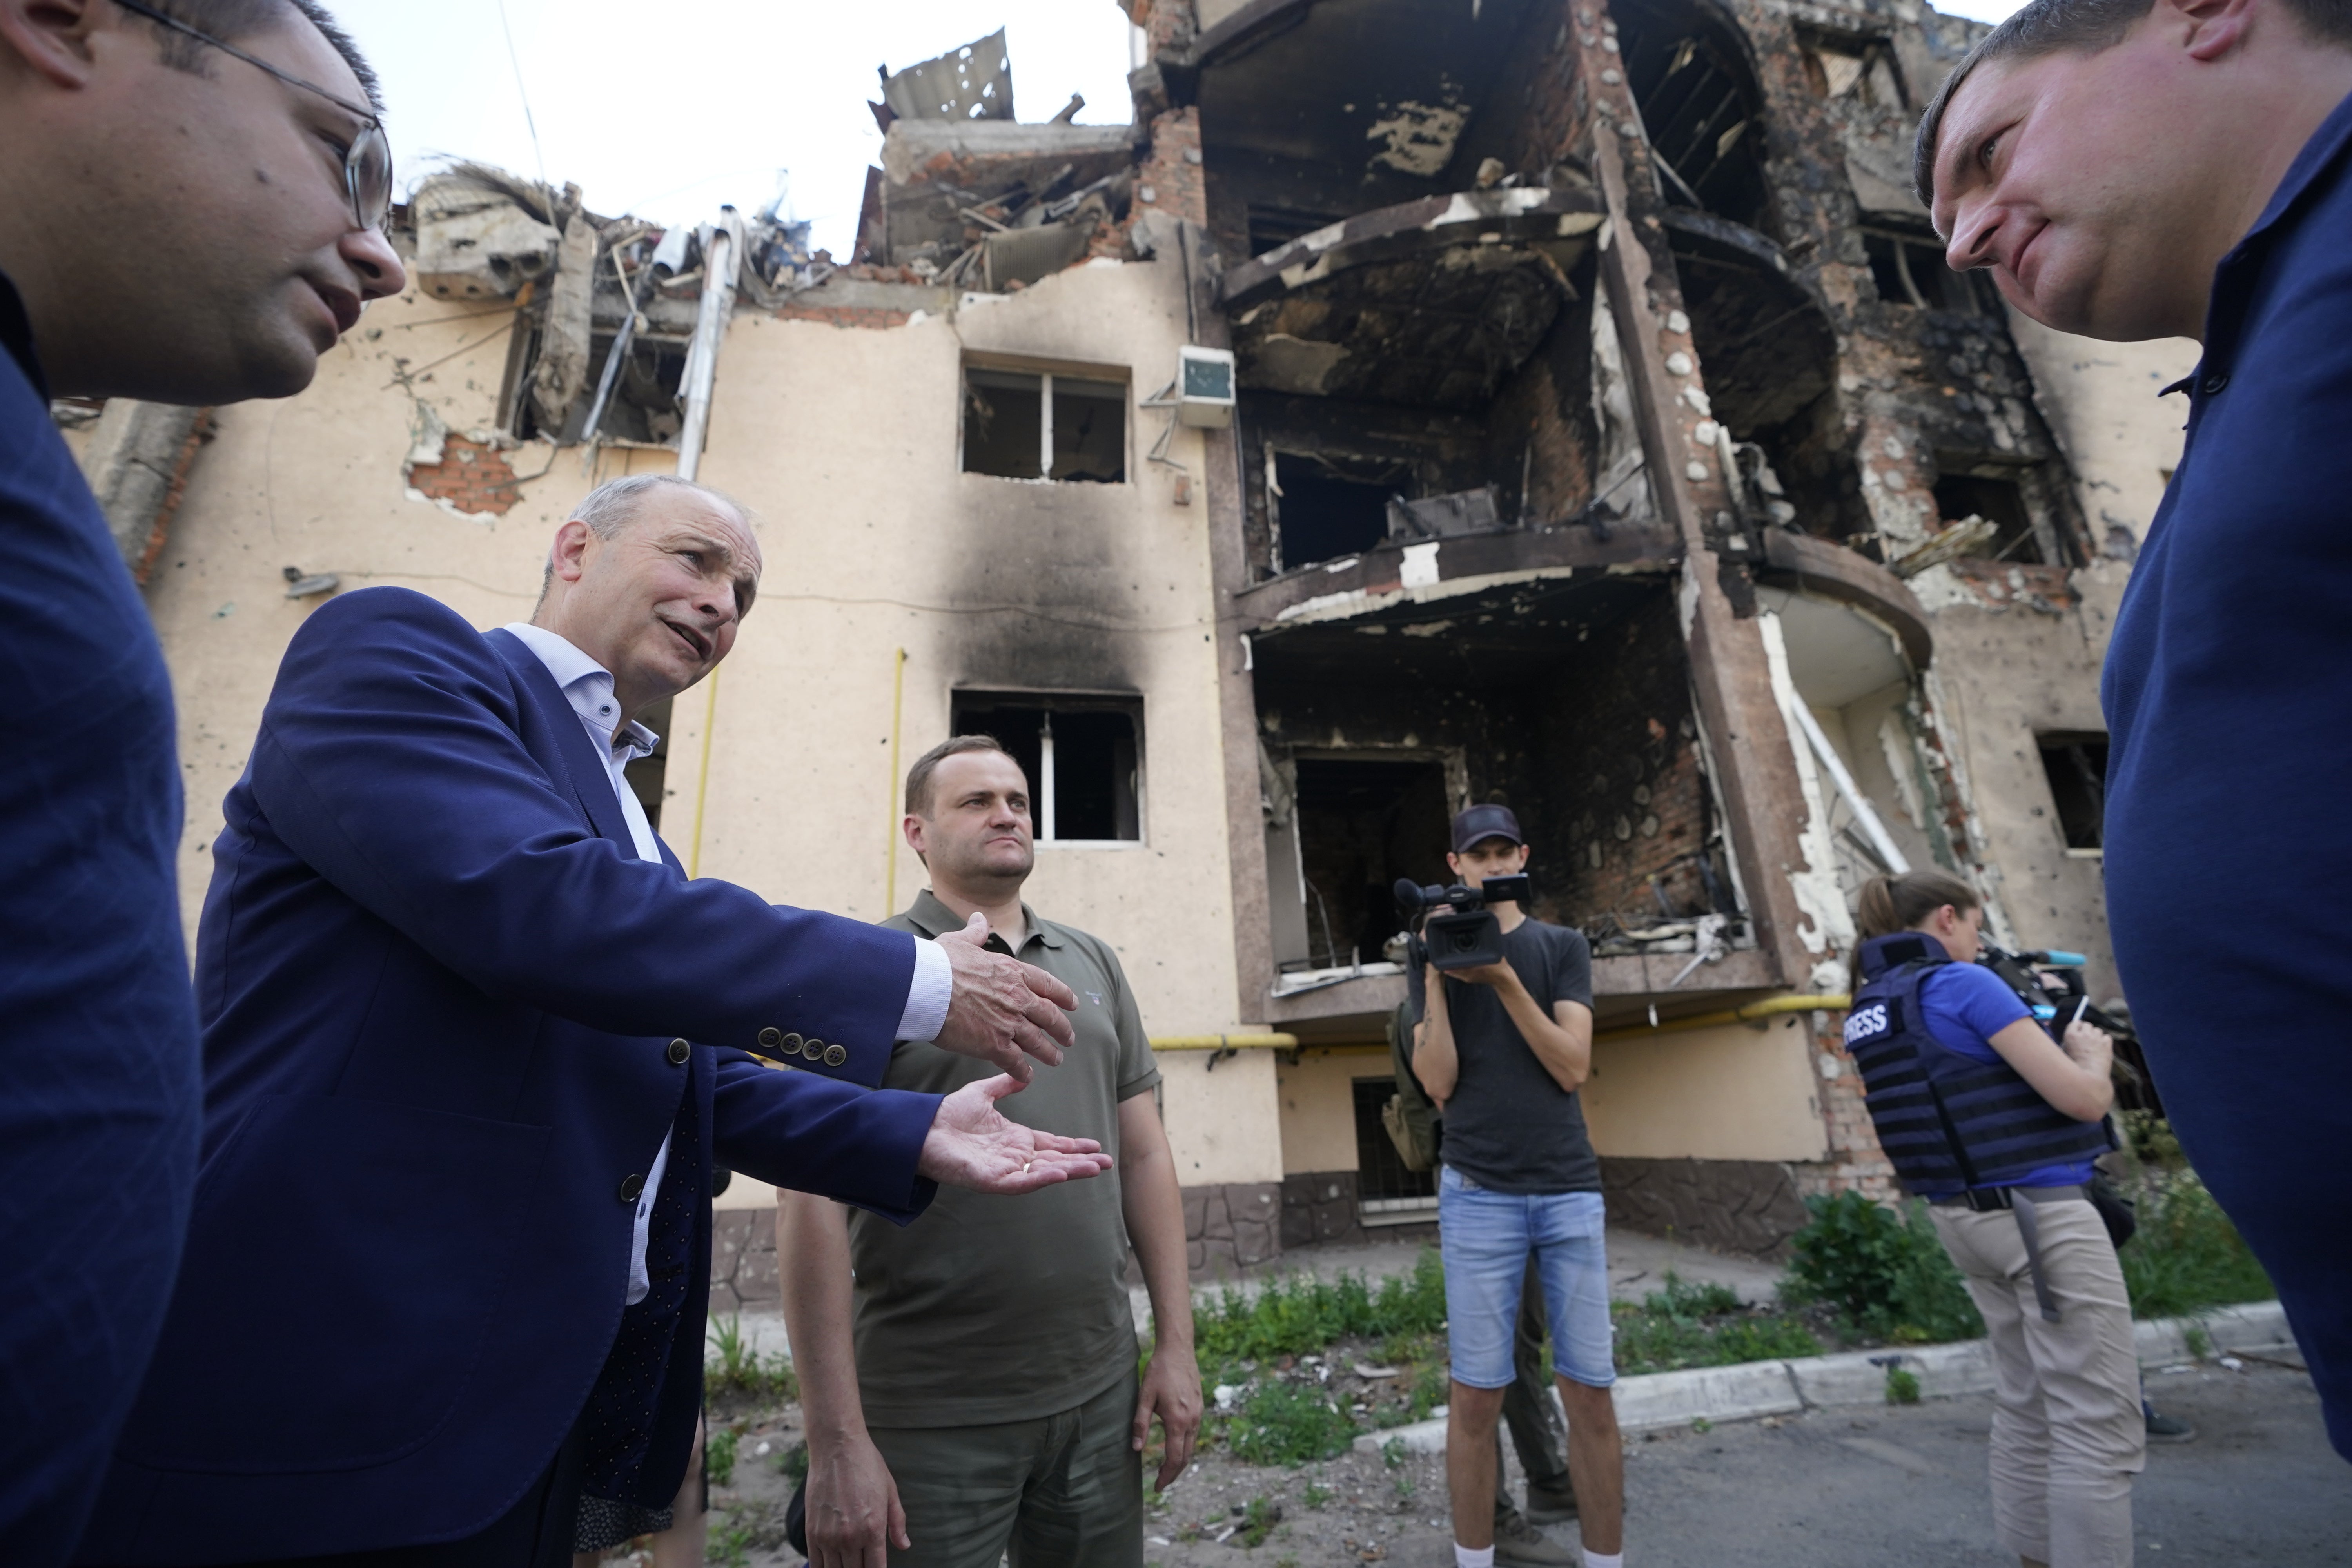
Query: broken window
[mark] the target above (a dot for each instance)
(1083, 756)
(1910, 270)
(643, 409)
(2076, 766)
(1321, 513)
(1023, 425)
(1840, 65)
(1362, 824)
(2000, 501)
(1385, 1187)
(1699, 109)
(646, 773)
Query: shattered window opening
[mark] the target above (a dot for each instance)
(1321, 514)
(1022, 425)
(2076, 767)
(2001, 502)
(1363, 824)
(1846, 66)
(1082, 754)
(1700, 110)
(1910, 270)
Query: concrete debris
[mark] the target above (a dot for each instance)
(137, 463)
(974, 82)
(481, 233)
(561, 372)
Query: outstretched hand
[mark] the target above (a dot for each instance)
(972, 1144)
(1003, 1011)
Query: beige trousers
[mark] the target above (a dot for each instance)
(2067, 1432)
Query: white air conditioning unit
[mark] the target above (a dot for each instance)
(1205, 387)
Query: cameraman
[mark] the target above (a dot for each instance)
(1996, 1126)
(1502, 1048)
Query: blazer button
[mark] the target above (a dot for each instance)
(678, 1051)
(791, 1044)
(814, 1049)
(836, 1055)
(772, 1037)
(631, 1185)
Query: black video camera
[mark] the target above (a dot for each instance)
(1467, 934)
(2051, 985)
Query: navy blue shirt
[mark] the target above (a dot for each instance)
(2228, 699)
(98, 1104)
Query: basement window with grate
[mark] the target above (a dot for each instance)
(1083, 754)
(1044, 425)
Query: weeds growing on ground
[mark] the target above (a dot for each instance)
(1884, 1272)
(1301, 1315)
(1289, 1423)
(1259, 1520)
(2187, 1257)
(1316, 1496)
(1902, 1385)
(1687, 1325)
(719, 1454)
(793, 1462)
(740, 1369)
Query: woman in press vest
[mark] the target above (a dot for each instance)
(1997, 1125)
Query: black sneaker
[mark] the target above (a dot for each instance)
(1550, 1507)
(2164, 1428)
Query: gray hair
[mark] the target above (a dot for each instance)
(610, 507)
(2084, 27)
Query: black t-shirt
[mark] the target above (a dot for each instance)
(1510, 1125)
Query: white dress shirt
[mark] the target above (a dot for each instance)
(588, 687)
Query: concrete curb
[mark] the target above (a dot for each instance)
(1757, 1388)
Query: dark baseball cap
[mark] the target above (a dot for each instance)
(1481, 822)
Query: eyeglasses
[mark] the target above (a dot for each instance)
(367, 161)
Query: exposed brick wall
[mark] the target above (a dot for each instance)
(1171, 170)
(1855, 1162)
(174, 491)
(743, 1261)
(471, 476)
(859, 316)
(1228, 1228)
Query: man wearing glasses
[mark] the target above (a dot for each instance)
(179, 225)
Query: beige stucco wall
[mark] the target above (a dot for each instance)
(2003, 677)
(845, 442)
(1735, 1092)
(1318, 1108)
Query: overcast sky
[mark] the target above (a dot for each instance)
(669, 110)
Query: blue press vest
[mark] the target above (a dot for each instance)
(1947, 1123)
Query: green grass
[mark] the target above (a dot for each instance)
(1289, 1423)
(1259, 1520)
(738, 1369)
(719, 1454)
(1301, 1315)
(1687, 1325)
(2187, 1257)
(1902, 1386)
(1316, 1496)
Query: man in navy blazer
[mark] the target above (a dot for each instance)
(472, 1043)
(255, 248)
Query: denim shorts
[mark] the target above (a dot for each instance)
(1486, 1238)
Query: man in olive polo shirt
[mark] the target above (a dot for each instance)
(992, 1400)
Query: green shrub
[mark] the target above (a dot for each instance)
(1882, 1271)
(740, 1369)
(1902, 1385)
(1289, 1423)
(719, 1456)
(2187, 1257)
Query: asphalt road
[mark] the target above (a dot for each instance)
(1905, 1488)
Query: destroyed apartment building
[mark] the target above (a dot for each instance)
(1420, 403)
